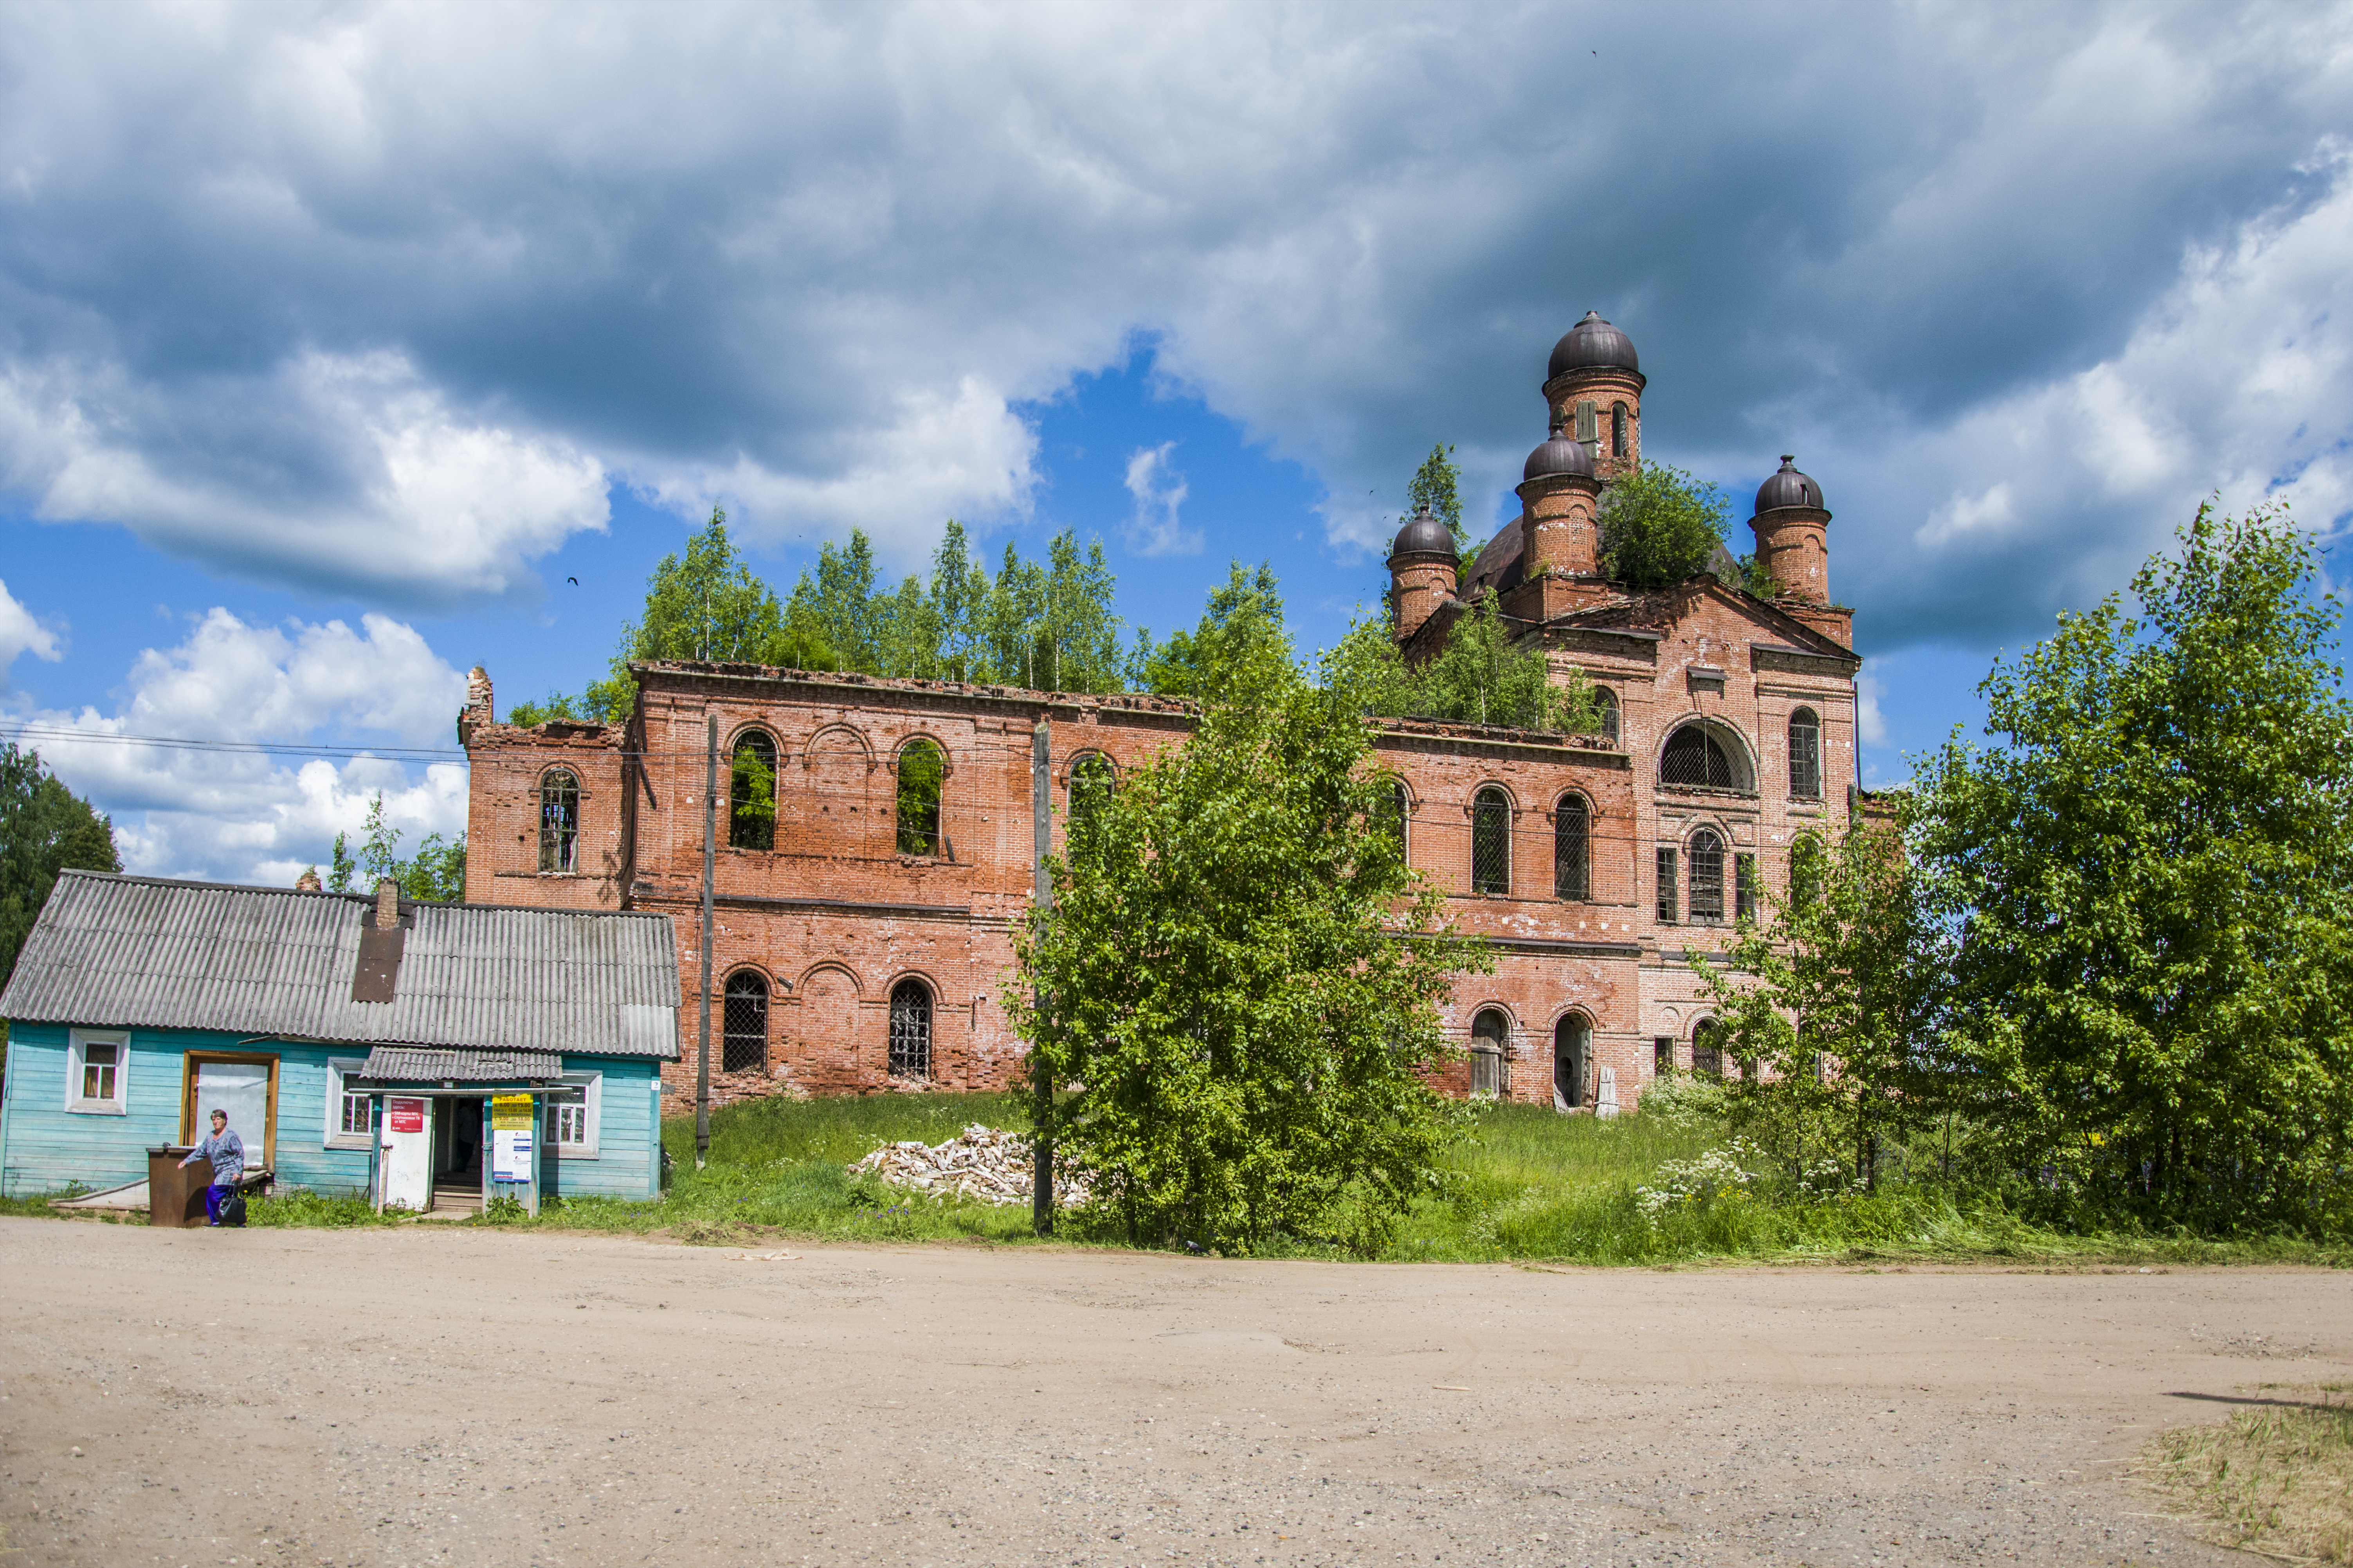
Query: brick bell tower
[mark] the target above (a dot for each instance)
(1793, 544)
(1558, 497)
(1424, 572)
(1594, 385)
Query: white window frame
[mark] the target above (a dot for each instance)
(78, 1041)
(332, 1134)
(592, 1100)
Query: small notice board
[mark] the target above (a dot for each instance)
(510, 1138)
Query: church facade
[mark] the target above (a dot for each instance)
(872, 839)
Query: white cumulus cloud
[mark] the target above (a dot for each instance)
(244, 816)
(21, 633)
(1159, 491)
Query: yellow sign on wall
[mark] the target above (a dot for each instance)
(510, 1113)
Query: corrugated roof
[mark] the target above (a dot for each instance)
(407, 1064)
(117, 950)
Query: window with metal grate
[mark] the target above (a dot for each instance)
(744, 1043)
(1572, 846)
(910, 1030)
(1491, 842)
(1694, 757)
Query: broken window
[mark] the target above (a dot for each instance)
(1695, 756)
(559, 821)
(922, 767)
(1572, 844)
(752, 792)
(1618, 429)
(1667, 888)
(1805, 754)
(1491, 842)
(1706, 875)
(1397, 805)
(744, 1044)
(1605, 702)
(1092, 776)
(910, 1030)
(1743, 886)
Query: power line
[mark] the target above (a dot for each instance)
(64, 734)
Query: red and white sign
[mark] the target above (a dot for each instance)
(406, 1115)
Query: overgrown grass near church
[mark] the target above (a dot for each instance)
(1526, 1185)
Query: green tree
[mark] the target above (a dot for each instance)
(1241, 637)
(1242, 979)
(959, 599)
(1480, 675)
(45, 827)
(1659, 525)
(436, 873)
(1437, 486)
(1840, 1000)
(2151, 864)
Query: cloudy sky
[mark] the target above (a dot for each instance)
(335, 340)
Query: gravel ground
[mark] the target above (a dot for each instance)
(430, 1396)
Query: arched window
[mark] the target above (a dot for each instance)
(752, 792)
(910, 1030)
(743, 1047)
(559, 821)
(1695, 756)
(1605, 701)
(1805, 754)
(1572, 1061)
(922, 769)
(1707, 1048)
(1572, 849)
(1490, 1034)
(1092, 776)
(1618, 429)
(1706, 875)
(1491, 842)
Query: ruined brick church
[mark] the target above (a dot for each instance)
(862, 914)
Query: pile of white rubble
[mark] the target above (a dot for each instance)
(983, 1163)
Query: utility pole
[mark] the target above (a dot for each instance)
(1041, 818)
(703, 1046)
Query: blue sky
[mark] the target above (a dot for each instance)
(334, 343)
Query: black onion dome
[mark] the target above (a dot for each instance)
(1788, 487)
(1557, 456)
(1592, 344)
(1423, 535)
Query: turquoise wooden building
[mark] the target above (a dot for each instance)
(358, 1042)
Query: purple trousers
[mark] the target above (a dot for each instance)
(215, 1196)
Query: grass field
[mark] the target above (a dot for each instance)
(1526, 1185)
(2277, 1480)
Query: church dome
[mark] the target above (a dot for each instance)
(1788, 487)
(1423, 535)
(1592, 344)
(1557, 456)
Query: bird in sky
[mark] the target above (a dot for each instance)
(574, 581)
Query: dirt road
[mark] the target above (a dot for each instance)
(438, 1397)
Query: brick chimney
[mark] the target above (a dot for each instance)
(308, 882)
(388, 906)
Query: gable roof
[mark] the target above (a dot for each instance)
(114, 951)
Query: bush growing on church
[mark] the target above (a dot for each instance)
(1659, 525)
(1238, 986)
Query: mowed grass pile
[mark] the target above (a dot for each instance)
(2276, 1479)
